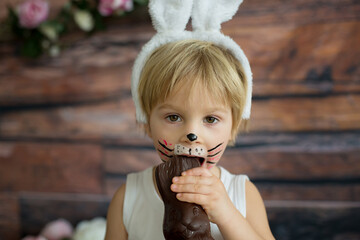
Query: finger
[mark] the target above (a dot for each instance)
(191, 188)
(193, 180)
(199, 171)
(192, 198)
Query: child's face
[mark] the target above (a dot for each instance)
(193, 124)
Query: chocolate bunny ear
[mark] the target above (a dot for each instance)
(170, 15)
(207, 15)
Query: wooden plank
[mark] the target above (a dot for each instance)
(317, 55)
(309, 191)
(112, 184)
(329, 113)
(48, 85)
(9, 216)
(38, 209)
(282, 165)
(124, 161)
(314, 220)
(257, 12)
(99, 68)
(116, 119)
(110, 119)
(50, 167)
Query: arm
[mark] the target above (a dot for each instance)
(115, 229)
(256, 213)
(254, 226)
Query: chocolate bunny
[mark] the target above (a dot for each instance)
(182, 220)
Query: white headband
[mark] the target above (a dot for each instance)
(170, 18)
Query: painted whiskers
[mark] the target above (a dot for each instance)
(211, 156)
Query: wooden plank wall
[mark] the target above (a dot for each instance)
(68, 135)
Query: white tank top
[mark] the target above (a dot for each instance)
(144, 210)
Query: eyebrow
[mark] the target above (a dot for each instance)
(166, 105)
(210, 110)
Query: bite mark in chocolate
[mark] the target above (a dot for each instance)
(182, 220)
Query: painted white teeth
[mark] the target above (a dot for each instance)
(196, 151)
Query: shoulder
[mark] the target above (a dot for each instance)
(255, 211)
(115, 228)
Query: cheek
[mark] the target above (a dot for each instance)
(215, 155)
(165, 149)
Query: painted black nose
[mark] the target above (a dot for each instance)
(192, 137)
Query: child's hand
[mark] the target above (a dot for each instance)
(200, 186)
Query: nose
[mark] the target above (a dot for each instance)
(191, 136)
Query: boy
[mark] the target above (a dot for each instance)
(192, 96)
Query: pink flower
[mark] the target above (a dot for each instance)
(57, 230)
(128, 5)
(32, 13)
(107, 7)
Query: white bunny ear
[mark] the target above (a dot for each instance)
(207, 15)
(170, 15)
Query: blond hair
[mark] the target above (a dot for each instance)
(212, 66)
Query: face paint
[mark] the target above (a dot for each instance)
(196, 152)
(214, 155)
(211, 157)
(165, 150)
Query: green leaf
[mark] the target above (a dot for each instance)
(141, 2)
(31, 48)
(81, 4)
(99, 21)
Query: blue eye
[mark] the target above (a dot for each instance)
(173, 118)
(211, 119)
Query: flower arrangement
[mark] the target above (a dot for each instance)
(30, 24)
(61, 229)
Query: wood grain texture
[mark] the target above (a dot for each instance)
(314, 220)
(309, 191)
(116, 118)
(87, 122)
(308, 57)
(257, 12)
(50, 167)
(331, 113)
(124, 161)
(9, 216)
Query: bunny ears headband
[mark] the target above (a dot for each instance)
(170, 18)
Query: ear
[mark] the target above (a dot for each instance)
(147, 129)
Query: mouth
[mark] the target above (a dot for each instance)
(201, 160)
